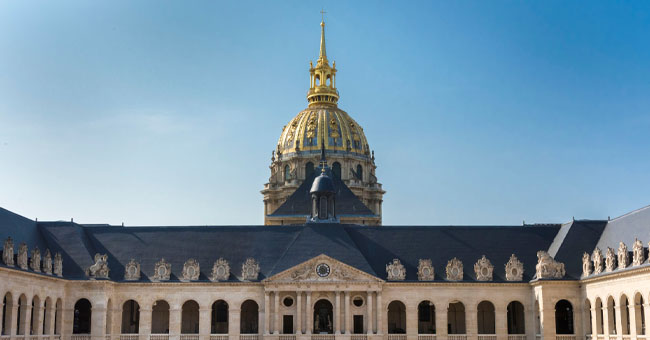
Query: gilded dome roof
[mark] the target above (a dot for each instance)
(340, 133)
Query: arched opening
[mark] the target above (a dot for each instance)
(317, 80)
(485, 317)
(47, 316)
(336, 169)
(309, 169)
(249, 317)
(625, 315)
(190, 318)
(587, 317)
(639, 314)
(287, 173)
(538, 322)
(21, 320)
(426, 318)
(360, 172)
(160, 317)
(611, 315)
(600, 324)
(130, 317)
(82, 317)
(35, 314)
(57, 316)
(329, 81)
(515, 316)
(456, 318)
(219, 319)
(7, 309)
(323, 317)
(563, 317)
(396, 318)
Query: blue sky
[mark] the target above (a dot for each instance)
(479, 112)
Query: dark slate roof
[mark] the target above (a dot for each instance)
(20, 229)
(299, 203)
(582, 237)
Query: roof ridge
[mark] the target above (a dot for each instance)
(631, 212)
(286, 249)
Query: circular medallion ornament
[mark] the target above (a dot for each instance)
(162, 271)
(133, 270)
(323, 270)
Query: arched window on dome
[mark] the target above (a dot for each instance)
(309, 169)
(336, 169)
(360, 172)
(287, 173)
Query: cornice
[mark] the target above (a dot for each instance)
(604, 276)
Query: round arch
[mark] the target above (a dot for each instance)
(639, 314)
(7, 309)
(82, 317)
(456, 318)
(516, 318)
(564, 317)
(587, 317)
(160, 317)
(190, 317)
(249, 317)
(130, 317)
(323, 317)
(219, 317)
(485, 317)
(624, 303)
(611, 314)
(426, 317)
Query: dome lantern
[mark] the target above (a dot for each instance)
(322, 78)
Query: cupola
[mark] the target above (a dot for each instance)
(323, 196)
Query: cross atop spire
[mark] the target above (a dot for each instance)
(323, 54)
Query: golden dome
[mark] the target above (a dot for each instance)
(305, 132)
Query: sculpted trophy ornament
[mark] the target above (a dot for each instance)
(639, 255)
(162, 270)
(514, 269)
(597, 257)
(191, 270)
(454, 270)
(483, 269)
(132, 271)
(99, 270)
(8, 252)
(547, 267)
(623, 256)
(22, 256)
(610, 260)
(250, 269)
(35, 262)
(395, 270)
(425, 270)
(47, 262)
(58, 265)
(220, 270)
(586, 265)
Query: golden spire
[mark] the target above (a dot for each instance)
(322, 89)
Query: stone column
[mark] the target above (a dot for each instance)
(370, 316)
(39, 314)
(547, 320)
(471, 322)
(501, 322)
(205, 323)
(116, 323)
(234, 323)
(98, 322)
(594, 322)
(145, 322)
(299, 313)
(175, 319)
(411, 321)
(25, 319)
(441, 322)
(619, 321)
(337, 313)
(646, 313)
(276, 313)
(631, 313)
(348, 317)
(267, 312)
(309, 313)
(48, 320)
(529, 320)
(605, 321)
(12, 318)
(380, 314)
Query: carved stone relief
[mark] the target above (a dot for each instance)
(220, 270)
(454, 270)
(610, 260)
(47, 262)
(132, 271)
(321, 270)
(35, 263)
(99, 270)
(639, 254)
(597, 257)
(191, 270)
(623, 256)
(250, 269)
(547, 267)
(22, 256)
(514, 269)
(483, 269)
(162, 270)
(586, 265)
(425, 270)
(58, 265)
(395, 271)
(8, 252)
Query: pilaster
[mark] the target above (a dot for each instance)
(501, 322)
(299, 313)
(98, 322)
(631, 313)
(175, 318)
(234, 323)
(309, 312)
(276, 313)
(471, 322)
(348, 317)
(370, 316)
(25, 313)
(337, 313)
(441, 323)
(381, 311)
(267, 312)
(205, 324)
(411, 322)
(145, 323)
(619, 320)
